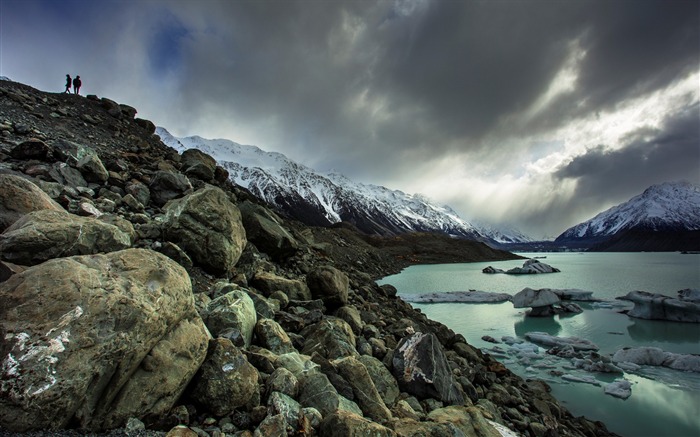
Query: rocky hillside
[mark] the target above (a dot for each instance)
(139, 288)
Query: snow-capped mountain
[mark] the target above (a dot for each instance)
(672, 207)
(327, 198)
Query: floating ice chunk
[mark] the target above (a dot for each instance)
(621, 388)
(656, 306)
(653, 356)
(585, 379)
(511, 340)
(549, 340)
(575, 294)
(628, 367)
(471, 296)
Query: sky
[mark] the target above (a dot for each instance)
(534, 113)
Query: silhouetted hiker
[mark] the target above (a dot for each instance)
(76, 84)
(68, 83)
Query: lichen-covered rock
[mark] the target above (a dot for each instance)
(347, 424)
(226, 379)
(208, 227)
(421, 369)
(468, 420)
(47, 234)
(268, 283)
(315, 390)
(331, 338)
(168, 185)
(19, 196)
(233, 311)
(363, 388)
(91, 341)
(385, 383)
(198, 164)
(265, 230)
(273, 337)
(92, 169)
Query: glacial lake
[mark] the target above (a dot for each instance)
(664, 402)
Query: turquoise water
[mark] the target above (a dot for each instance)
(664, 402)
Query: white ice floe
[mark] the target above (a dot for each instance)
(620, 388)
(653, 356)
(471, 296)
(531, 266)
(654, 306)
(575, 294)
(587, 379)
(549, 340)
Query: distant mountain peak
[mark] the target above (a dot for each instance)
(665, 207)
(326, 198)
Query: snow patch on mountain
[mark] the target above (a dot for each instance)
(666, 206)
(328, 198)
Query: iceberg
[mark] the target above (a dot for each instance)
(545, 339)
(620, 388)
(585, 379)
(653, 356)
(654, 306)
(530, 267)
(471, 296)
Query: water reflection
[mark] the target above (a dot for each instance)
(550, 325)
(645, 331)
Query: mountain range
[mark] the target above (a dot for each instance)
(324, 199)
(664, 217)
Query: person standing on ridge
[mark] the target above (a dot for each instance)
(76, 84)
(68, 83)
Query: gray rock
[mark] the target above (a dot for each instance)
(32, 148)
(19, 196)
(273, 426)
(234, 310)
(347, 424)
(329, 284)
(352, 316)
(363, 388)
(283, 381)
(271, 336)
(139, 191)
(47, 234)
(198, 164)
(208, 227)
(92, 169)
(468, 420)
(167, 185)
(280, 403)
(268, 283)
(385, 383)
(109, 337)
(331, 338)
(226, 379)
(421, 369)
(315, 390)
(265, 230)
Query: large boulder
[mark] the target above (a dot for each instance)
(47, 234)
(331, 338)
(421, 369)
(232, 315)
(329, 284)
(363, 388)
(198, 164)
(385, 383)
(226, 380)
(90, 341)
(265, 230)
(168, 185)
(347, 424)
(273, 337)
(208, 227)
(92, 169)
(18, 196)
(685, 308)
(315, 390)
(469, 420)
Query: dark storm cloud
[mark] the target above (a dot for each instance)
(651, 156)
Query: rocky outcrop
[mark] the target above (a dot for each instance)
(654, 306)
(115, 339)
(108, 337)
(208, 226)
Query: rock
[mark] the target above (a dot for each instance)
(329, 284)
(167, 185)
(280, 403)
(233, 311)
(109, 337)
(421, 369)
(226, 379)
(19, 196)
(331, 338)
(545, 339)
(268, 283)
(660, 307)
(299, 365)
(198, 164)
(620, 388)
(47, 234)
(315, 390)
(9, 269)
(283, 381)
(272, 426)
(366, 394)
(174, 252)
(32, 148)
(139, 191)
(384, 382)
(265, 230)
(271, 336)
(64, 174)
(352, 316)
(653, 356)
(346, 424)
(208, 227)
(92, 169)
(468, 420)
(146, 124)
